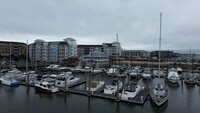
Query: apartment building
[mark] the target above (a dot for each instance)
(15, 48)
(56, 51)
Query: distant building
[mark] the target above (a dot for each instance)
(72, 48)
(56, 51)
(86, 49)
(95, 57)
(164, 54)
(136, 54)
(112, 49)
(15, 48)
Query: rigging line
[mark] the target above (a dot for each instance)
(155, 36)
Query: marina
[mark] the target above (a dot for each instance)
(77, 94)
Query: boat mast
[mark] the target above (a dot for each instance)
(26, 56)
(27, 64)
(10, 58)
(160, 43)
(117, 49)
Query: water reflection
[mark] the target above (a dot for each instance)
(173, 85)
(27, 91)
(117, 108)
(160, 109)
(89, 105)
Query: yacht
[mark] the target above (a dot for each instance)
(179, 70)
(146, 74)
(159, 92)
(97, 70)
(95, 86)
(134, 73)
(9, 81)
(130, 91)
(198, 80)
(86, 69)
(190, 79)
(49, 78)
(46, 87)
(173, 76)
(113, 87)
(60, 81)
(112, 71)
(55, 67)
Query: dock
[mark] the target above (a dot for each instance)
(139, 99)
(25, 84)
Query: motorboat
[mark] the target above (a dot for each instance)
(68, 80)
(95, 86)
(97, 70)
(130, 91)
(86, 69)
(190, 79)
(198, 80)
(46, 87)
(160, 74)
(159, 92)
(113, 87)
(173, 76)
(55, 67)
(146, 74)
(134, 73)
(179, 70)
(112, 71)
(9, 81)
(49, 78)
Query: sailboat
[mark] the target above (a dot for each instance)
(190, 78)
(159, 91)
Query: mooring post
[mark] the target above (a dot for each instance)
(66, 87)
(118, 99)
(89, 93)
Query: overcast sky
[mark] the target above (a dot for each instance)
(98, 21)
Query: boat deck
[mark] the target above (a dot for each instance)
(140, 98)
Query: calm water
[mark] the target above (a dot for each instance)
(182, 99)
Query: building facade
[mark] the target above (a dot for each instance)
(136, 54)
(112, 49)
(86, 49)
(15, 48)
(95, 57)
(164, 54)
(72, 48)
(56, 51)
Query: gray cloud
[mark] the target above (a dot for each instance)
(97, 21)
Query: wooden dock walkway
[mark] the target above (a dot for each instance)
(139, 99)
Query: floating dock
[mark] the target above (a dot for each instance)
(139, 99)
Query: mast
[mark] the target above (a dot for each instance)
(160, 43)
(10, 58)
(27, 56)
(27, 64)
(117, 49)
